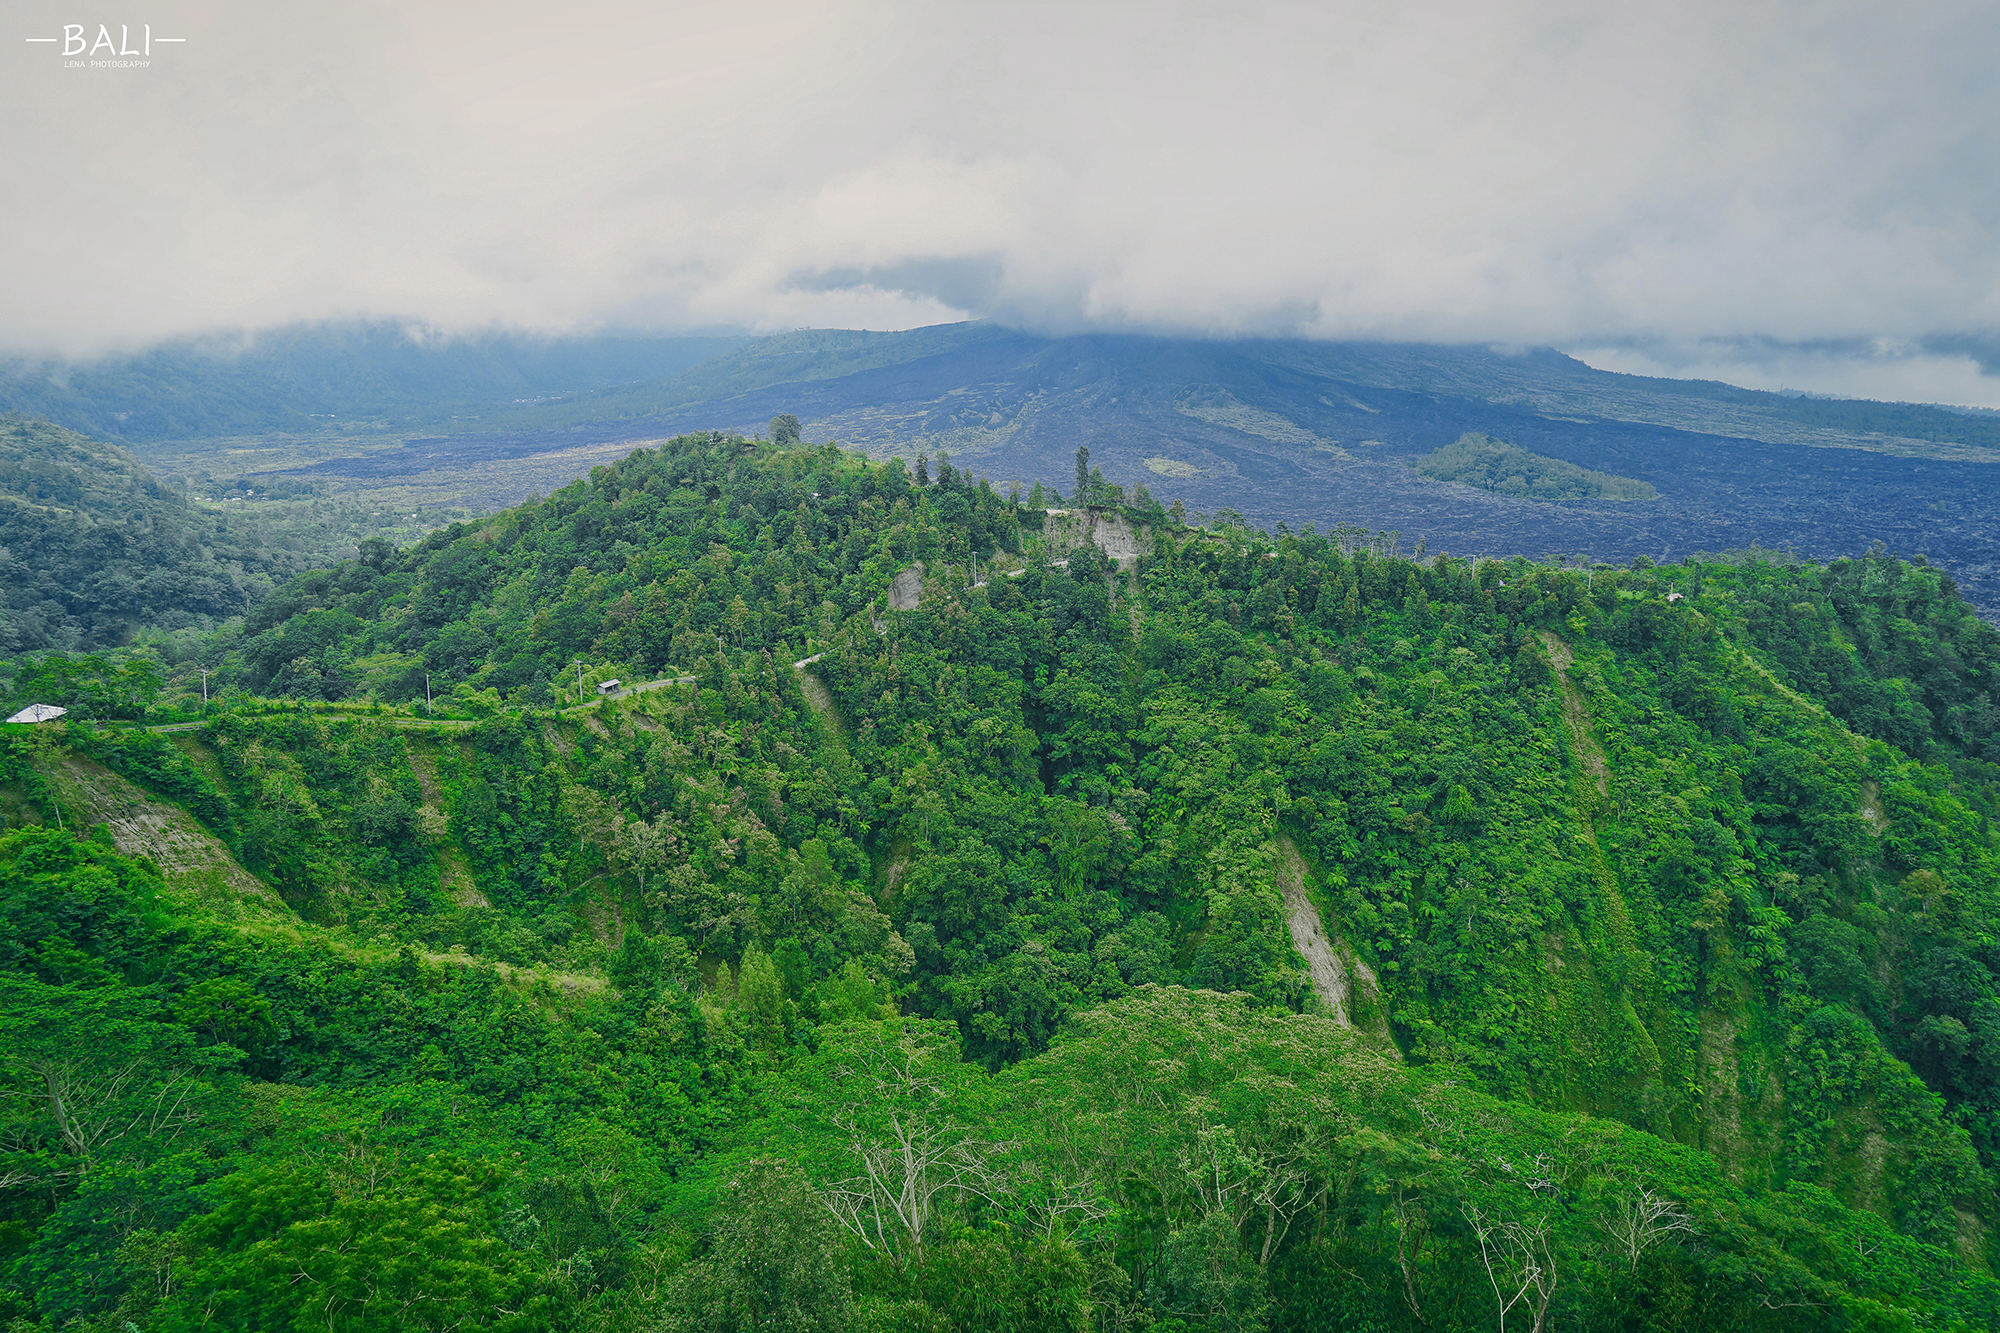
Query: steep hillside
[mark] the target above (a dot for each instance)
(91, 546)
(1350, 938)
(227, 1123)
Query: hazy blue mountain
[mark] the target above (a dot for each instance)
(329, 379)
(1323, 432)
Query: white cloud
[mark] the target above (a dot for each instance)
(1885, 370)
(1522, 172)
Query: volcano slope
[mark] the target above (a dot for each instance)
(1664, 899)
(1294, 431)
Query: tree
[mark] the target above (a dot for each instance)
(364, 1246)
(1082, 841)
(637, 846)
(760, 993)
(91, 1066)
(1205, 1277)
(1083, 474)
(1635, 1217)
(225, 1008)
(774, 1262)
(895, 1097)
(785, 430)
(987, 1280)
(1512, 1218)
(376, 553)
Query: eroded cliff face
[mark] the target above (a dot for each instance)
(1063, 531)
(907, 588)
(194, 863)
(1106, 529)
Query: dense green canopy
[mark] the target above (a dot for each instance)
(92, 546)
(1506, 469)
(1264, 932)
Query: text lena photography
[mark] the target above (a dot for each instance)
(865, 668)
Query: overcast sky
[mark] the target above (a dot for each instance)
(1791, 191)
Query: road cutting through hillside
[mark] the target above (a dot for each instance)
(461, 723)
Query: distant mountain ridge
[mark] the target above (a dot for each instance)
(327, 378)
(1279, 430)
(1543, 378)
(1321, 432)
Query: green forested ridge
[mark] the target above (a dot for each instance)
(93, 546)
(1662, 897)
(1506, 469)
(95, 551)
(666, 558)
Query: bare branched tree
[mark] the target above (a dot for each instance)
(637, 846)
(1413, 1228)
(1056, 1203)
(1637, 1217)
(1520, 1262)
(906, 1172)
(915, 1157)
(1286, 1186)
(95, 1106)
(1220, 1172)
(1272, 1176)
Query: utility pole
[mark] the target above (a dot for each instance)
(204, 691)
(427, 695)
(579, 677)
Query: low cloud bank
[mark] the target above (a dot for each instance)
(1693, 177)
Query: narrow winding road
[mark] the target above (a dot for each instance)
(461, 723)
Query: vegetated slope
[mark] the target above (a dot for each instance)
(1601, 835)
(676, 546)
(321, 378)
(1298, 431)
(1494, 465)
(300, 1129)
(94, 546)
